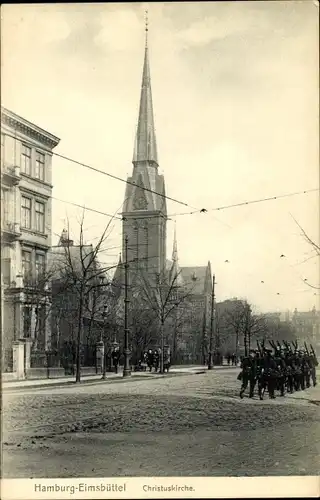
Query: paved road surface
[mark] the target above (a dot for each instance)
(180, 425)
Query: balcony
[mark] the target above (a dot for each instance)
(10, 231)
(10, 174)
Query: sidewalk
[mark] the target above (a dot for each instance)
(51, 382)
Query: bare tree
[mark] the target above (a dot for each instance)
(315, 246)
(164, 296)
(78, 268)
(235, 318)
(244, 324)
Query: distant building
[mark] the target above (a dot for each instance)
(26, 188)
(307, 326)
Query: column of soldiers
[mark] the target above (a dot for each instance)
(282, 368)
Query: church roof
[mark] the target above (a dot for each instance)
(145, 182)
(195, 277)
(69, 258)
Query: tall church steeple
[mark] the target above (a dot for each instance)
(145, 149)
(144, 207)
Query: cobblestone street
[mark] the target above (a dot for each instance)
(180, 425)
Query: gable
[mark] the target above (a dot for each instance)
(140, 201)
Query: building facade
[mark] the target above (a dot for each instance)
(307, 327)
(26, 212)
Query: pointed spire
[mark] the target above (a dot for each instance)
(146, 28)
(145, 144)
(175, 245)
(175, 272)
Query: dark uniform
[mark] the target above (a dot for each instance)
(270, 371)
(289, 370)
(297, 371)
(313, 364)
(280, 371)
(249, 374)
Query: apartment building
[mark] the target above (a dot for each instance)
(26, 213)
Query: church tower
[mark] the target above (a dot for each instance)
(144, 209)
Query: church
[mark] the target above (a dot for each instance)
(144, 246)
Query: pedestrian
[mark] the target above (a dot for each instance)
(150, 359)
(313, 364)
(115, 358)
(156, 359)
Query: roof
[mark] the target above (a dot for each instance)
(13, 120)
(196, 277)
(59, 258)
(146, 145)
(145, 182)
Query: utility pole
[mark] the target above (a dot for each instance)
(210, 365)
(161, 311)
(126, 368)
(105, 347)
(162, 347)
(246, 330)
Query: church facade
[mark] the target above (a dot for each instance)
(144, 246)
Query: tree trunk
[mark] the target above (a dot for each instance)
(237, 342)
(162, 347)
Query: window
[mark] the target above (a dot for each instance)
(39, 209)
(26, 160)
(40, 160)
(40, 265)
(26, 212)
(26, 264)
(6, 271)
(4, 206)
(2, 148)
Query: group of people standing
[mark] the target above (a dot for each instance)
(232, 359)
(283, 369)
(151, 359)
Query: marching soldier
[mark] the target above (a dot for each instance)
(313, 364)
(289, 372)
(249, 374)
(270, 370)
(280, 371)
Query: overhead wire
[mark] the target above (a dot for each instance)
(126, 181)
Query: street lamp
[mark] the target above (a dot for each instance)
(210, 364)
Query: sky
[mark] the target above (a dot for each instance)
(235, 96)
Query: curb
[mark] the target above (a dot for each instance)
(109, 380)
